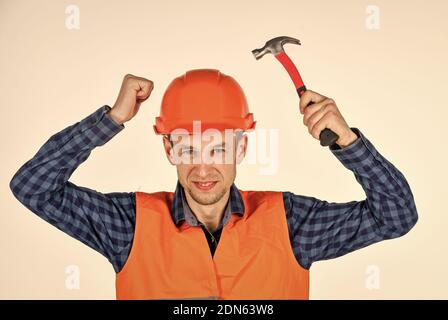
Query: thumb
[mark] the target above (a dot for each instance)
(145, 90)
(142, 94)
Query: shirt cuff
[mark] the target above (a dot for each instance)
(360, 152)
(100, 127)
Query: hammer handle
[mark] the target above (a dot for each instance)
(327, 137)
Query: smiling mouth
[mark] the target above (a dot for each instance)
(204, 185)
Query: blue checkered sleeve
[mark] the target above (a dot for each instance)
(103, 221)
(321, 230)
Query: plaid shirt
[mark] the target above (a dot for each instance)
(318, 229)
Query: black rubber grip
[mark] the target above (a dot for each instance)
(327, 137)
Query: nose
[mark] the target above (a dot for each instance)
(203, 170)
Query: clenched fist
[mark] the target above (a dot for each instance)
(134, 90)
(324, 113)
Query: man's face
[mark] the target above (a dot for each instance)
(206, 167)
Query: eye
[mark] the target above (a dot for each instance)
(188, 151)
(219, 150)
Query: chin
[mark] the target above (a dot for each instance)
(208, 196)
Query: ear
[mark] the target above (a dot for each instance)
(168, 150)
(241, 149)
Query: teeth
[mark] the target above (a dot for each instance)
(206, 184)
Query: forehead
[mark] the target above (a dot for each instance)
(203, 139)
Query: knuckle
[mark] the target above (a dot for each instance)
(309, 92)
(306, 114)
(311, 123)
(331, 114)
(302, 105)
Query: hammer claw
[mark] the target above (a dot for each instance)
(274, 46)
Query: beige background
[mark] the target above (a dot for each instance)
(390, 83)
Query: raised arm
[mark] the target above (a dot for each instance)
(103, 221)
(322, 230)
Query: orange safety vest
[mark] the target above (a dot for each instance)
(253, 259)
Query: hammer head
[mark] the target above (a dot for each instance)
(274, 46)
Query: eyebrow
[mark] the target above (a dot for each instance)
(222, 145)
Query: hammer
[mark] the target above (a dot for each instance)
(275, 46)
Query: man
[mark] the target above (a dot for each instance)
(209, 239)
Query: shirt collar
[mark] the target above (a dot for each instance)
(181, 211)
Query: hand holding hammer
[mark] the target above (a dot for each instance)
(321, 115)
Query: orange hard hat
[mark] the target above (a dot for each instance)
(206, 95)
